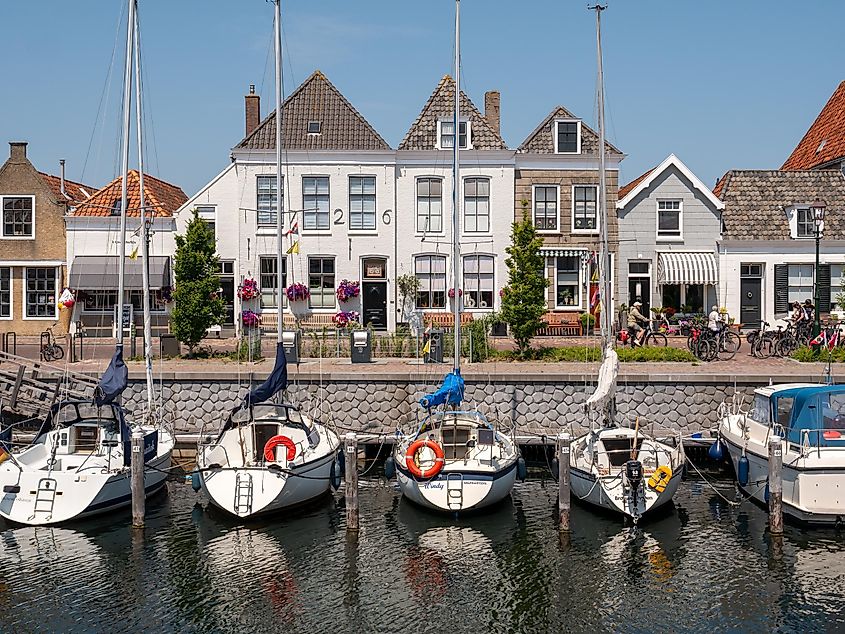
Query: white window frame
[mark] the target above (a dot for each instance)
(273, 257)
(463, 121)
(365, 230)
(428, 231)
(808, 283)
(489, 204)
(279, 182)
(667, 238)
(445, 259)
(572, 211)
(579, 286)
(478, 276)
(578, 129)
(3, 217)
(11, 293)
(208, 213)
(306, 210)
(556, 230)
(322, 274)
(809, 210)
(57, 287)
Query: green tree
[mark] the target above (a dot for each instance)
(524, 298)
(197, 306)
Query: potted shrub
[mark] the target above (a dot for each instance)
(588, 323)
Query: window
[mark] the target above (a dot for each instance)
(321, 282)
(315, 202)
(668, 218)
(266, 200)
(639, 268)
(100, 301)
(362, 202)
(567, 287)
(430, 270)
(806, 227)
(477, 204)
(800, 282)
(478, 281)
(753, 270)
(156, 301)
(18, 217)
(41, 292)
(429, 205)
(5, 292)
(446, 134)
(268, 280)
(545, 208)
(314, 127)
(227, 267)
(117, 207)
(584, 216)
(207, 214)
(568, 137)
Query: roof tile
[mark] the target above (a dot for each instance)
(541, 140)
(75, 193)
(160, 198)
(825, 140)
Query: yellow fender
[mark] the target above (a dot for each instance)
(660, 478)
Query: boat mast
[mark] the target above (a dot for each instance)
(456, 186)
(280, 253)
(124, 203)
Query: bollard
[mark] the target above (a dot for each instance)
(563, 503)
(775, 486)
(137, 471)
(350, 447)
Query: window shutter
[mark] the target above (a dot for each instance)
(781, 288)
(824, 288)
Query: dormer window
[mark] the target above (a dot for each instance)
(446, 135)
(115, 208)
(567, 136)
(314, 127)
(805, 227)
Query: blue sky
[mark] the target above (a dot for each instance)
(723, 84)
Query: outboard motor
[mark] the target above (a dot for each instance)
(634, 475)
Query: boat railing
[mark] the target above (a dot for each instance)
(818, 439)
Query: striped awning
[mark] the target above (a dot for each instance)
(551, 252)
(687, 268)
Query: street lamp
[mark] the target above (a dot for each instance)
(818, 221)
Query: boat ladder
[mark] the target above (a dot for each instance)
(455, 491)
(45, 498)
(243, 493)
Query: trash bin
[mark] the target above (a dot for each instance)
(360, 346)
(435, 349)
(168, 346)
(290, 343)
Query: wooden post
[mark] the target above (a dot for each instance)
(350, 448)
(775, 486)
(137, 475)
(563, 503)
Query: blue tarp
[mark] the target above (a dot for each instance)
(451, 392)
(277, 381)
(114, 379)
(816, 408)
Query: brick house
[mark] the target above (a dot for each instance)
(32, 244)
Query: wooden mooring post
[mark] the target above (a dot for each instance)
(350, 449)
(137, 475)
(563, 502)
(775, 486)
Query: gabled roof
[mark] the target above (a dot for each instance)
(75, 193)
(441, 105)
(825, 140)
(161, 198)
(342, 127)
(541, 140)
(630, 191)
(756, 201)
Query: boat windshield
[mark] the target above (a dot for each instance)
(818, 418)
(284, 413)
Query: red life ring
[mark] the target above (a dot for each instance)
(275, 441)
(411, 459)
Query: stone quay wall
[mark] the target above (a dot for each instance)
(376, 404)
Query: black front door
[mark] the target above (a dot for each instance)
(639, 290)
(750, 313)
(375, 304)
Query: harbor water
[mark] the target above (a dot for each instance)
(703, 566)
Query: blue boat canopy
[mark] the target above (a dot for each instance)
(819, 410)
(451, 391)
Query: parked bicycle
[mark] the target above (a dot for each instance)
(50, 350)
(781, 342)
(707, 345)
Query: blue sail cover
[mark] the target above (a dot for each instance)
(277, 381)
(114, 379)
(451, 392)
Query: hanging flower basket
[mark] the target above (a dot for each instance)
(452, 293)
(248, 289)
(297, 292)
(250, 319)
(347, 290)
(345, 317)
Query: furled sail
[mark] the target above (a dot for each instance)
(606, 387)
(114, 379)
(451, 392)
(277, 381)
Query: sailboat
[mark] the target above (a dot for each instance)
(455, 460)
(79, 462)
(269, 456)
(617, 468)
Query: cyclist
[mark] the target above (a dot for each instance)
(634, 319)
(798, 315)
(714, 320)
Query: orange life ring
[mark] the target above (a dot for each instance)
(411, 458)
(275, 441)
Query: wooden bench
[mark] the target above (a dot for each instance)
(315, 321)
(558, 324)
(444, 319)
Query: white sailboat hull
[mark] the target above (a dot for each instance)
(459, 488)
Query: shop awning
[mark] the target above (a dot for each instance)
(99, 272)
(687, 268)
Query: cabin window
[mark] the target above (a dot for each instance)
(86, 438)
(784, 410)
(761, 412)
(833, 411)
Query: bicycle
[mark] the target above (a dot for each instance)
(651, 337)
(50, 350)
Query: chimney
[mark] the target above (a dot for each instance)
(17, 150)
(252, 106)
(62, 177)
(492, 100)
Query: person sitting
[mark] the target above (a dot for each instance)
(714, 320)
(634, 319)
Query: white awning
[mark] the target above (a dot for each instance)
(687, 268)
